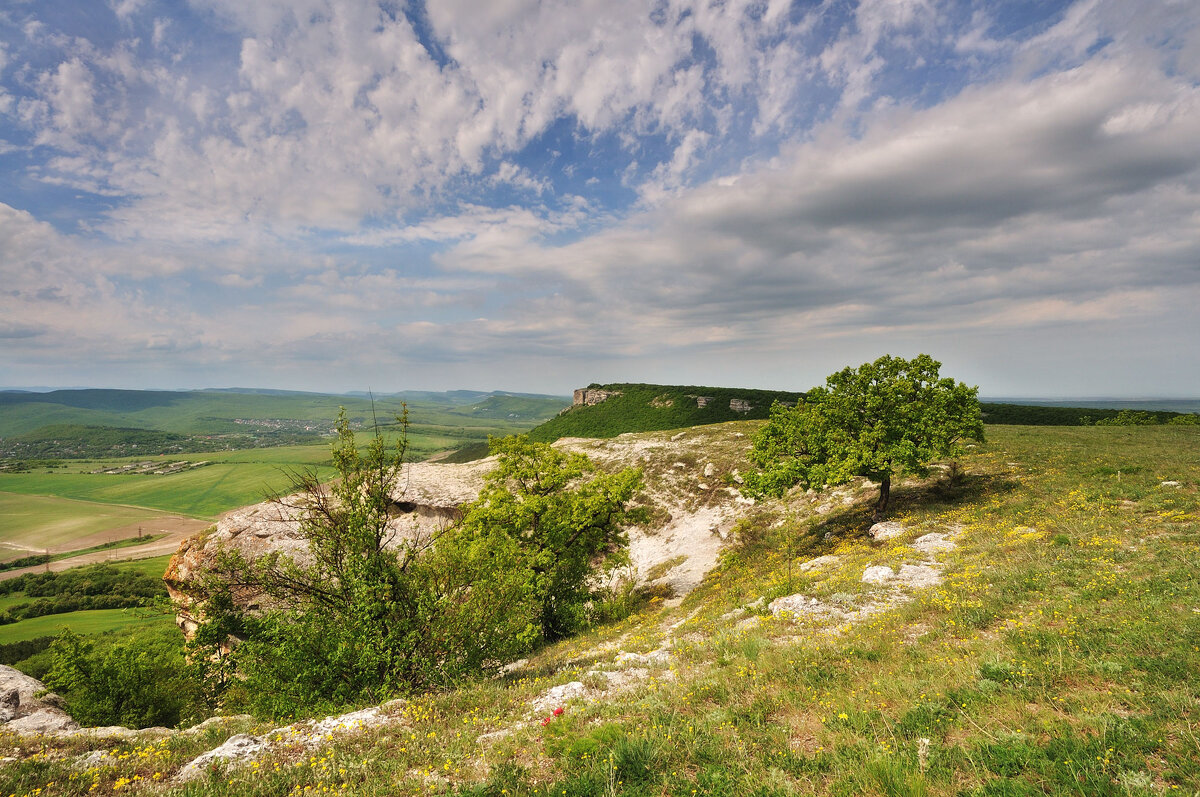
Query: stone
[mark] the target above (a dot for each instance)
(933, 543)
(818, 563)
(236, 750)
(655, 658)
(557, 696)
(740, 405)
(886, 530)
(749, 624)
(918, 576)
(798, 605)
(26, 709)
(709, 470)
(1170, 484)
(879, 574)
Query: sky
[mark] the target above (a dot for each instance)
(521, 195)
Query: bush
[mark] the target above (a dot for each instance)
(372, 614)
(139, 681)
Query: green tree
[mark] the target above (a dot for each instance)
(885, 418)
(564, 517)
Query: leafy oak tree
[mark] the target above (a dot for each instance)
(889, 417)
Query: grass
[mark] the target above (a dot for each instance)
(38, 522)
(1057, 657)
(97, 621)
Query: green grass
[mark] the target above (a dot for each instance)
(98, 621)
(39, 521)
(1059, 656)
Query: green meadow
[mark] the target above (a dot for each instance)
(97, 621)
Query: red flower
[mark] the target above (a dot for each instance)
(557, 711)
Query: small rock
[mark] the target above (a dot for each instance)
(933, 543)
(513, 666)
(659, 658)
(1170, 484)
(96, 758)
(918, 576)
(802, 606)
(818, 563)
(236, 750)
(556, 696)
(737, 477)
(749, 623)
(709, 470)
(886, 530)
(677, 436)
(879, 574)
(201, 727)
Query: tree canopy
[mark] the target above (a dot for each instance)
(884, 418)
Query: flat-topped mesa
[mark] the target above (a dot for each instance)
(588, 396)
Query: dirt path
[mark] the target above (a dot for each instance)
(176, 529)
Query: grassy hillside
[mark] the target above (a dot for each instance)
(1057, 656)
(645, 408)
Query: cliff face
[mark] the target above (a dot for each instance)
(690, 480)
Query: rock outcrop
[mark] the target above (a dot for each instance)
(694, 519)
(23, 711)
(426, 498)
(588, 396)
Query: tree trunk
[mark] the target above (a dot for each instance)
(885, 493)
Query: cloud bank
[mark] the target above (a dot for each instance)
(329, 195)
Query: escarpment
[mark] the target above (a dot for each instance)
(690, 494)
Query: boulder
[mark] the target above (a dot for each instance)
(26, 707)
(886, 530)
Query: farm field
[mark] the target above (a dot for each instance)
(199, 493)
(34, 523)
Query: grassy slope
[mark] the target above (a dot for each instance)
(205, 412)
(238, 478)
(98, 621)
(1058, 657)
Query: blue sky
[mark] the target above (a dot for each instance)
(534, 196)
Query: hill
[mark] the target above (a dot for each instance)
(245, 412)
(1023, 628)
(610, 410)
